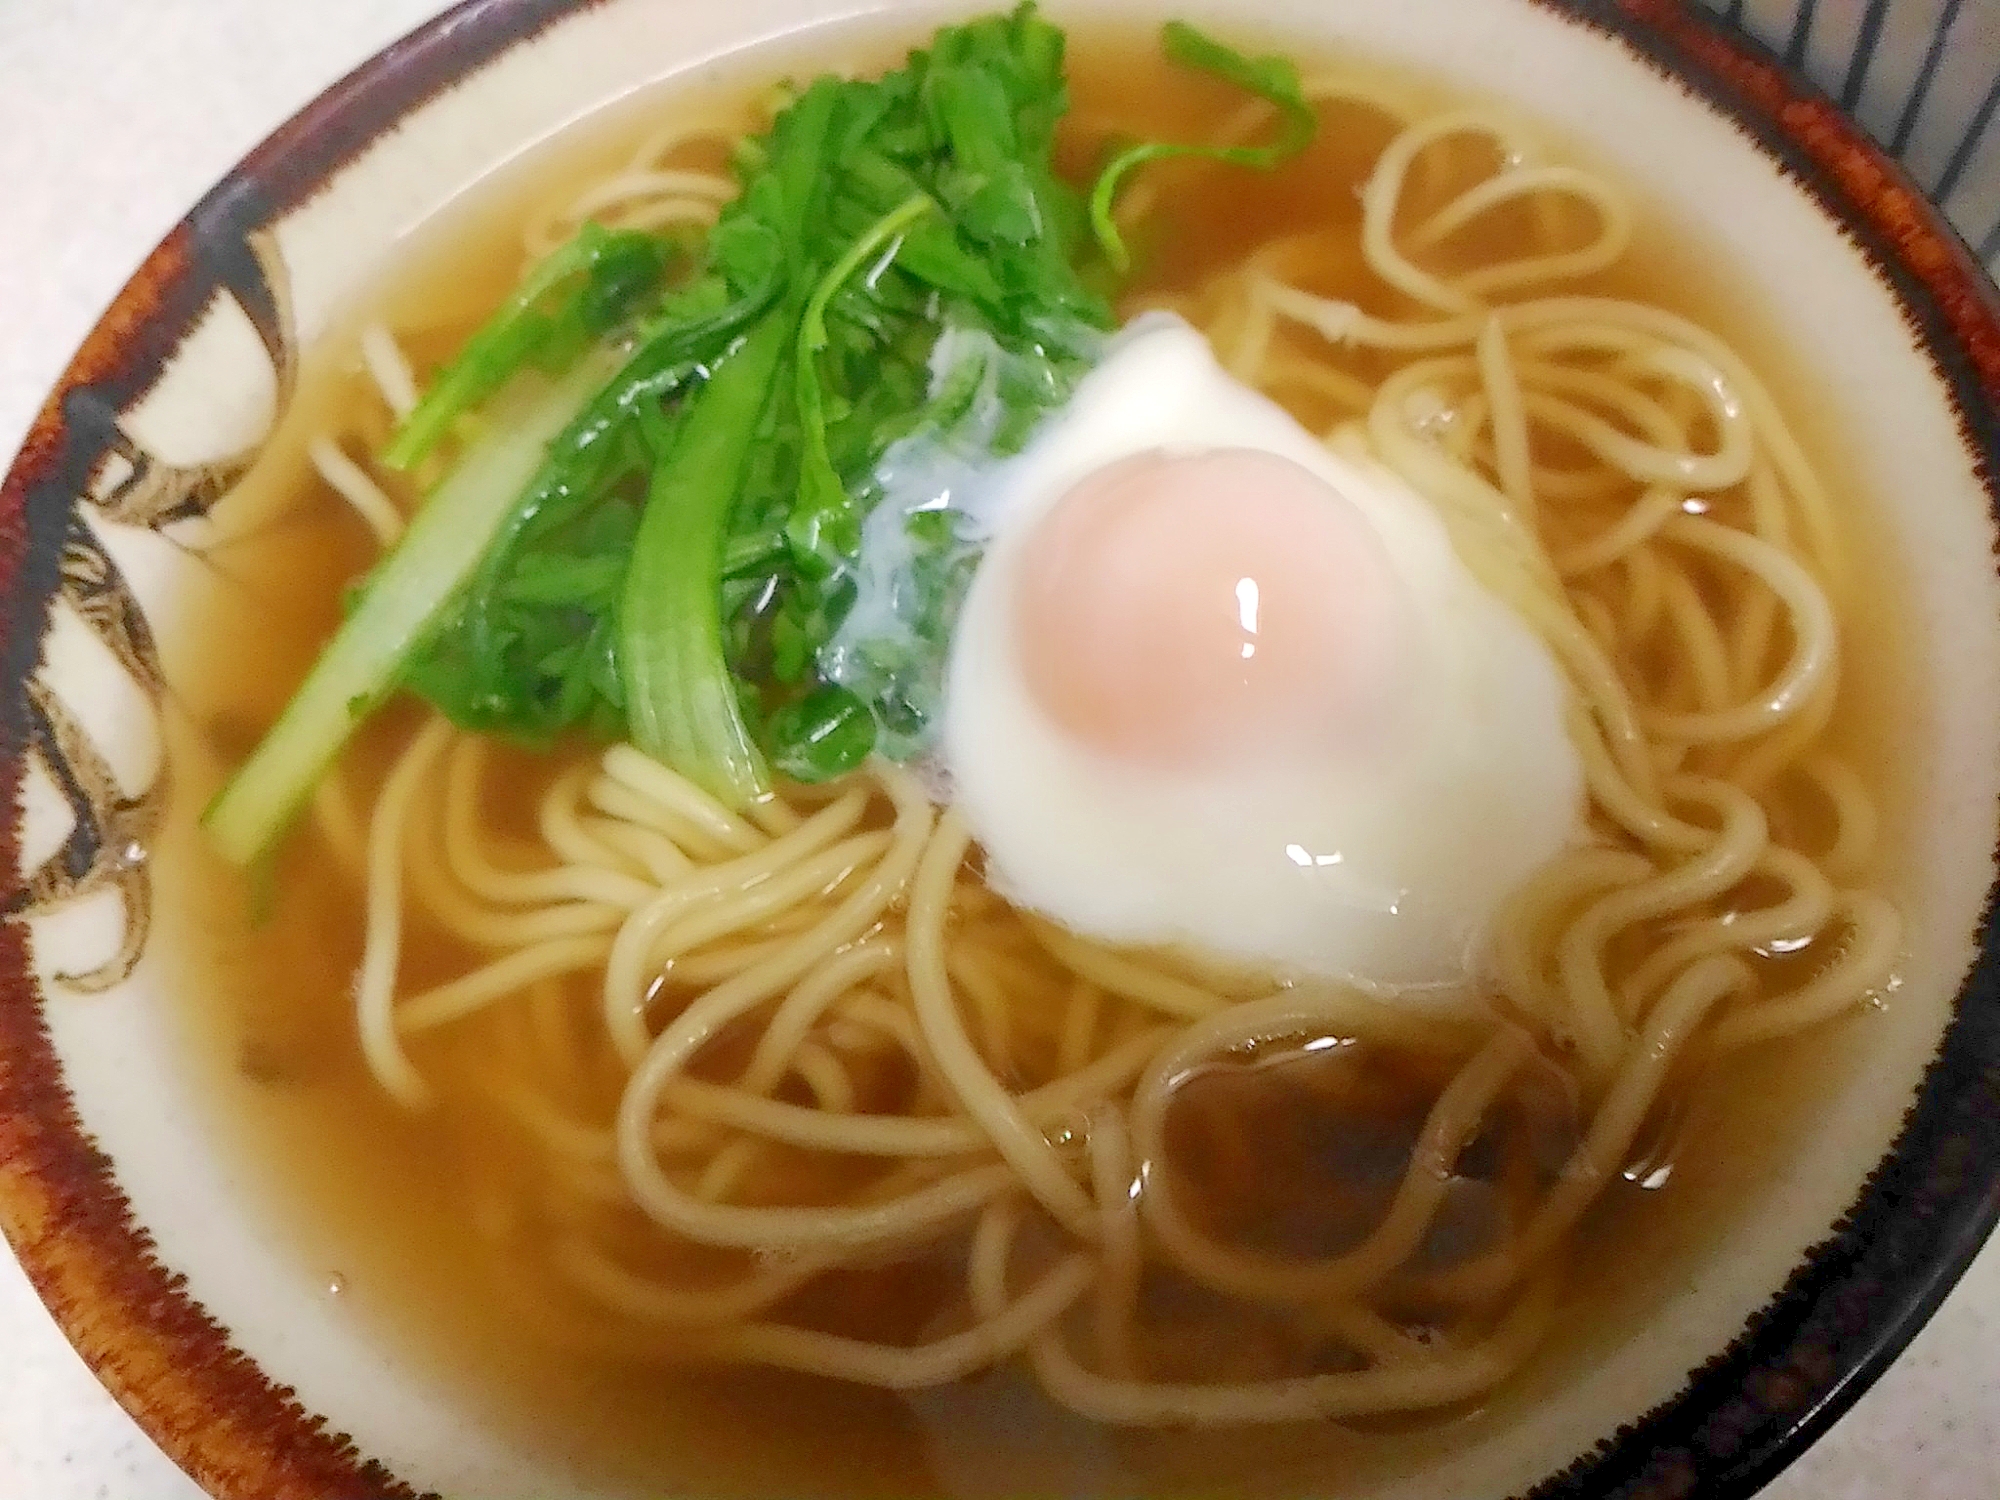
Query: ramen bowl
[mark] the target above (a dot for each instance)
(1862, 1176)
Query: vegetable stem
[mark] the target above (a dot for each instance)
(577, 291)
(1275, 79)
(406, 594)
(680, 698)
(822, 498)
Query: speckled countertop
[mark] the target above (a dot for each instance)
(114, 116)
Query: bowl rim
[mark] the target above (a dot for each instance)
(1847, 1311)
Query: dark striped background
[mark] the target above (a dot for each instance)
(1922, 76)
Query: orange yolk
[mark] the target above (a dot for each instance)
(1179, 609)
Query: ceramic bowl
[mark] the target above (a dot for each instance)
(128, 1208)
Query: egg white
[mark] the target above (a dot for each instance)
(1383, 864)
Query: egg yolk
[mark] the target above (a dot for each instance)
(1180, 609)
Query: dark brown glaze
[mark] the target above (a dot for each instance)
(129, 1316)
(1847, 1311)
(155, 1349)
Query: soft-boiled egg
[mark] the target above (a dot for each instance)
(1214, 684)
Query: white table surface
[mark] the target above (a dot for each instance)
(114, 116)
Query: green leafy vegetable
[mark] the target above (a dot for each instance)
(867, 207)
(825, 734)
(581, 290)
(692, 533)
(358, 668)
(1272, 78)
(917, 555)
(529, 646)
(822, 528)
(679, 695)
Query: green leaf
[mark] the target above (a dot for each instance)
(825, 734)
(822, 529)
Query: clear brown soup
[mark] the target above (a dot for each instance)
(386, 1209)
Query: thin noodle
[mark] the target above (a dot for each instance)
(389, 368)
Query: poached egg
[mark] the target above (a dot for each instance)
(1216, 685)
